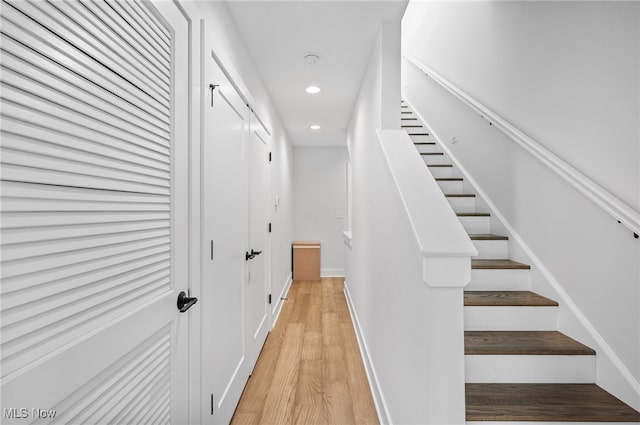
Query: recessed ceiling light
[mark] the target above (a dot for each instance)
(312, 89)
(315, 127)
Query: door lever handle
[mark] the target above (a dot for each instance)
(248, 256)
(185, 302)
(254, 253)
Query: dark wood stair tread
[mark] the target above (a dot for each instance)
(460, 195)
(506, 299)
(406, 112)
(409, 119)
(523, 343)
(424, 143)
(498, 264)
(473, 214)
(487, 237)
(449, 179)
(545, 403)
(439, 165)
(418, 134)
(431, 153)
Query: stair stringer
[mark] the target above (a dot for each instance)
(611, 373)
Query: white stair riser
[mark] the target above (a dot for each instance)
(492, 249)
(441, 172)
(448, 186)
(499, 280)
(463, 205)
(435, 159)
(428, 138)
(476, 224)
(510, 318)
(530, 369)
(428, 148)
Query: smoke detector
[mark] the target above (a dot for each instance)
(312, 58)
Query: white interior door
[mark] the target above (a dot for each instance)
(225, 366)
(258, 306)
(94, 122)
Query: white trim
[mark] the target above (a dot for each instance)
(621, 211)
(348, 238)
(374, 384)
(275, 313)
(331, 272)
(602, 347)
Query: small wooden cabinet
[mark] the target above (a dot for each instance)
(306, 260)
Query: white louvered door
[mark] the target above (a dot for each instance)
(94, 218)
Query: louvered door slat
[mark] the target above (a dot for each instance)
(150, 46)
(24, 295)
(152, 28)
(19, 30)
(111, 39)
(18, 118)
(83, 44)
(26, 94)
(57, 279)
(39, 78)
(63, 150)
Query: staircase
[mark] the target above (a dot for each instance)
(518, 367)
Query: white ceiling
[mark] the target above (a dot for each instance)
(279, 34)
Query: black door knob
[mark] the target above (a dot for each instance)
(185, 302)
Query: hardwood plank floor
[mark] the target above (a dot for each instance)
(310, 370)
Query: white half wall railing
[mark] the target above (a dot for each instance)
(426, 228)
(617, 208)
(438, 234)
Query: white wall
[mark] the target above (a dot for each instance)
(320, 187)
(230, 48)
(567, 74)
(389, 299)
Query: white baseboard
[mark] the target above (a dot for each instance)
(331, 272)
(374, 384)
(624, 385)
(275, 314)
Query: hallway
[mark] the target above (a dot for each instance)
(310, 370)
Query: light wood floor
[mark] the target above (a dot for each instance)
(310, 370)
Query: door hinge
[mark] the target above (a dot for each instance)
(269, 298)
(212, 87)
(269, 156)
(212, 404)
(269, 227)
(212, 249)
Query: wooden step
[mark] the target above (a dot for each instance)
(460, 195)
(424, 143)
(440, 165)
(449, 179)
(523, 343)
(473, 214)
(506, 299)
(487, 237)
(502, 264)
(545, 403)
(406, 112)
(418, 134)
(431, 153)
(408, 119)
(411, 126)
